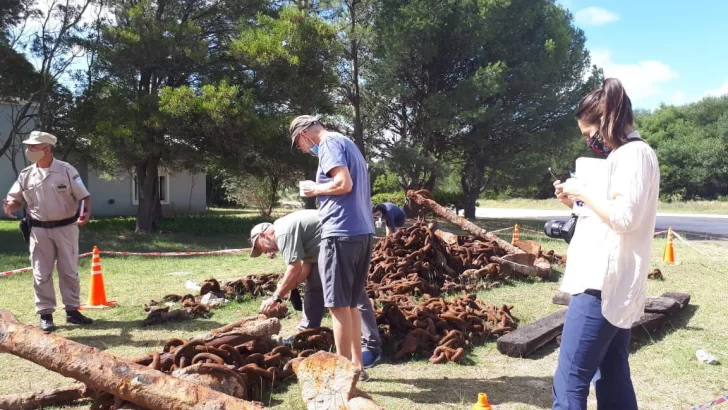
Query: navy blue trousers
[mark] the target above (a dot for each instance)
(592, 349)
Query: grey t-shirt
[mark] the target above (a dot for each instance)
(349, 214)
(298, 236)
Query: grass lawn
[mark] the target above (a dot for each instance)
(684, 207)
(665, 371)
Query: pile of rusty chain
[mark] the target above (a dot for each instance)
(246, 371)
(553, 257)
(655, 274)
(442, 329)
(253, 285)
(416, 261)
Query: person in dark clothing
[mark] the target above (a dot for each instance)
(393, 215)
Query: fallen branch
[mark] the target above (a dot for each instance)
(423, 198)
(145, 387)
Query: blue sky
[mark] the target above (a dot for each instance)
(663, 51)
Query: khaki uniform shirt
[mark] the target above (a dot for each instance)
(50, 194)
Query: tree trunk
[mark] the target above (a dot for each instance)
(472, 181)
(145, 387)
(149, 210)
(356, 97)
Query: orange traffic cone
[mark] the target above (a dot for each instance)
(97, 294)
(482, 403)
(516, 235)
(669, 255)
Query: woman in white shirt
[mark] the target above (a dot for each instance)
(608, 256)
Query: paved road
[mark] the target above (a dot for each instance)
(695, 223)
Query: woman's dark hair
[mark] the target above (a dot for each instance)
(379, 208)
(610, 109)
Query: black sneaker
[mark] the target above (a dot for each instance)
(75, 317)
(46, 323)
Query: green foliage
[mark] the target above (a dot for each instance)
(691, 142)
(398, 198)
(250, 190)
(385, 183)
(449, 198)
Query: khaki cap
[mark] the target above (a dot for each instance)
(299, 124)
(40, 137)
(254, 235)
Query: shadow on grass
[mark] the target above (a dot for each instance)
(534, 391)
(679, 321)
(128, 336)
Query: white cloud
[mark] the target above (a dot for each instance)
(594, 16)
(718, 92)
(641, 80)
(678, 98)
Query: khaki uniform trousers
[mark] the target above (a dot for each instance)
(47, 246)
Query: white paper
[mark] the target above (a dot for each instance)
(592, 172)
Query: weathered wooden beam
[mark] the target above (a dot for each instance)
(529, 338)
(43, 398)
(421, 198)
(648, 323)
(145, 387)
(653, 304)
(683, 299)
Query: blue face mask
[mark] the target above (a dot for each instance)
(314, 150)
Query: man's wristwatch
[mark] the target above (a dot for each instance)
(277, 298)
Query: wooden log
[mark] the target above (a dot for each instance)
(524, 264)
(419, 198)
(683, 299)
(648, 323)
(662, 304)
(145, 387)
(529, 338)
(561, 298)
(44, 398)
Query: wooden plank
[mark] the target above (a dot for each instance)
(663, 304)
(529, 338)
(682, 298)
(648, 323)
(666, 306)
(561, 298)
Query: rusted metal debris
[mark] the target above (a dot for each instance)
(128, 381)
(424, 198)
(442, 329)
(192, 307)
(44, 398)
(247, 368)
(655, 274)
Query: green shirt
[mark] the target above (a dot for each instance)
(298, 236)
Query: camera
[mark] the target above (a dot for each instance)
(561, 229)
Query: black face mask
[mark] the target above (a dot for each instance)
(596, 143)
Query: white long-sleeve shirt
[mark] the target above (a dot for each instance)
(614, 257)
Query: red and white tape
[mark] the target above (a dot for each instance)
(719, 400)
(164, 254)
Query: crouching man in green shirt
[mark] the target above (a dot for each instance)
(297, 237)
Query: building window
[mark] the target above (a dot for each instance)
(163, 178)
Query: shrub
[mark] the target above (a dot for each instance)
(385, 183)
(398, 198)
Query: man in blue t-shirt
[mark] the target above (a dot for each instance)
(347, 228)
(393, 215)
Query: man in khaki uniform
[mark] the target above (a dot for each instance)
(50, 190)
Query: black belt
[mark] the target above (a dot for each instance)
(53, 224)
(596, 293)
